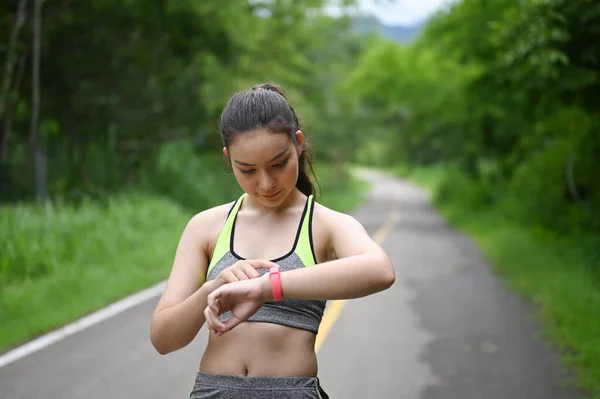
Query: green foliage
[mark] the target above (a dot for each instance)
(196, 181)
(502, 91)
(59, 262)
(40, 241)
(549, 181)
(136, 76)
(340, 189)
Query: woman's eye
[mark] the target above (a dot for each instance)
(247, 172)
(280, 164)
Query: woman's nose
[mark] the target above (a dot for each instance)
(266, 182)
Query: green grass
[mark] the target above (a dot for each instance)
(86, 257)
(555, 273)
(342, 193)
(61, 262)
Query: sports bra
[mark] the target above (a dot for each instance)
(298, 313)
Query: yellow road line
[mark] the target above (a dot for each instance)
(335, 307)
(333, 311)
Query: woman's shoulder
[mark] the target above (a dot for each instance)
(334, 230)
(333, 220)
(207, 220)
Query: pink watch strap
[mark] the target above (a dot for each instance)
(275, 278)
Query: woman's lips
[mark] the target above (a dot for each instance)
(272, 195)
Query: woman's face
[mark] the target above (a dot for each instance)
(265, 165)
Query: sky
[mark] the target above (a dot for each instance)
(402, 12)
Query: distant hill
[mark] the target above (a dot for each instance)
(399, 33)
(403, 34)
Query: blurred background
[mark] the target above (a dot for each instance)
(109, 144)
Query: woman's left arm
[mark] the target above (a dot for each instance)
(362, 267)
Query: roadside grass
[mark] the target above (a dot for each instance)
(343, 192)
(86, 257)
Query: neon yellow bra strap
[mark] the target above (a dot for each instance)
(304, 248)
(223, 242)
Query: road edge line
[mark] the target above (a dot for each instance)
(82, 323)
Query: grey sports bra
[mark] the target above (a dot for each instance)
(298, 313)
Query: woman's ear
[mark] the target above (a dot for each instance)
(226, 153)
(300, 140)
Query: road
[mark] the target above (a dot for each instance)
(448, 328)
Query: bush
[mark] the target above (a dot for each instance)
(457, 187)
(37, 241)
(542, 187)
(196, 181)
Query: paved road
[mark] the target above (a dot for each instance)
(447, 329)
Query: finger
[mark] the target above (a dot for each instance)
(216, 321)
(239, 273)
(229, 276)
(212, 301)
(215, 304)
(230, 324)
(213, 320)
(209, 323)
(250, 271)
(261, 263)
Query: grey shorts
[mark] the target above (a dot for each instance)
(218, 386)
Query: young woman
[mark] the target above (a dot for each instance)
(259, 270)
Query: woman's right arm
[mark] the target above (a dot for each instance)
(179, 314)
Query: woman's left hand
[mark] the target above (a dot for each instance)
(242, 298)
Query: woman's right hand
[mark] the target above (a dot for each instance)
(241, 270)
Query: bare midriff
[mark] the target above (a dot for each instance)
(261, 350)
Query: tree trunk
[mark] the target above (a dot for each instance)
(10, 59)
(11, 112)
(35, 142)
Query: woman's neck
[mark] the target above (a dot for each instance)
(293, 199)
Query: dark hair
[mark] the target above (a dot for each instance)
(266, 107)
